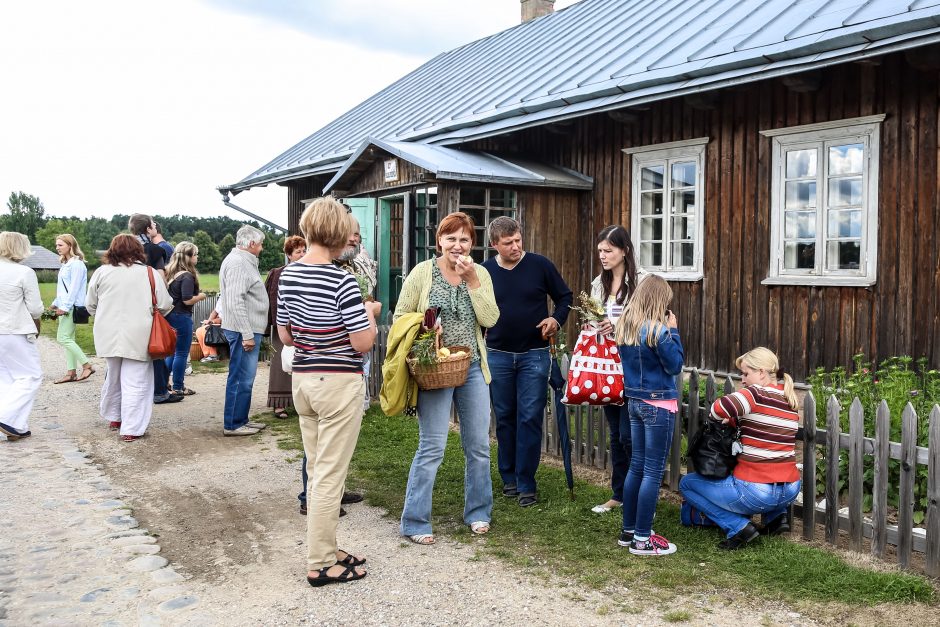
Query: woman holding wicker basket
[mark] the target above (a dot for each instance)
(463, 292)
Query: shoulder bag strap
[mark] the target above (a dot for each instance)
(153, 289)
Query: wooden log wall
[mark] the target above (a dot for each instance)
(729, 311)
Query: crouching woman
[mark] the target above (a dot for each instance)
(765, 480)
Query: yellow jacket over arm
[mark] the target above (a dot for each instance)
(399, 390)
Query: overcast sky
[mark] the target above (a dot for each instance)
(110, 106)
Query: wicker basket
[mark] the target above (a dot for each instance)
(195, 351)
(449, 372)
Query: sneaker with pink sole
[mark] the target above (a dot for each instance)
(655, 545)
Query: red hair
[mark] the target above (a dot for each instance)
(453, 223)
(124, 250)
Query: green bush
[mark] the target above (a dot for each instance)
(898, 381)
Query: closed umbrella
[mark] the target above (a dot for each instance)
(557, 382)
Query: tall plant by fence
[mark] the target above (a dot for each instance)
(842, 511)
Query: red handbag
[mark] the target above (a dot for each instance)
(162, 335)
(595, 376)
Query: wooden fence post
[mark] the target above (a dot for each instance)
(856, 472)
(809, 467)
(879, 496)
(906, 496)
(833, 430)
(710, 390)
(693, 412)
(932, 556)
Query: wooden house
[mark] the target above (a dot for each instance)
(776, 161)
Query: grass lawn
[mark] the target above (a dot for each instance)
(562, 537)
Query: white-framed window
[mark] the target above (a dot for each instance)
(667, 209)
(824, 203)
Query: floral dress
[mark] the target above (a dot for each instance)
(458, 320)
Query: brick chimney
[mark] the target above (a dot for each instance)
(532, 9)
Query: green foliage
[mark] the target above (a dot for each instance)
(272, 254)
(27, 215)
(424, 349)
(897, 382)
(46, 235)
(210, 257)
(227, 244)
(99, 233)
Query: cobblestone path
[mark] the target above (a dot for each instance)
(71, 551)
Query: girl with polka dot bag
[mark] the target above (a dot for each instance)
(652, 356)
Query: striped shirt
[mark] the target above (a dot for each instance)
(322, 305)
(768, 433)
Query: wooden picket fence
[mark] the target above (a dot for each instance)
(589, 447)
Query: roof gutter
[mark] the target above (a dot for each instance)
(253, 216)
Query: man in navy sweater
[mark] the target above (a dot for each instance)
(517, 352)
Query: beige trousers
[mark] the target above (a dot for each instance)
(330, 410)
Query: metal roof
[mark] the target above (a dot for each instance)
(42, 259)
(599, 55)
(459, 165)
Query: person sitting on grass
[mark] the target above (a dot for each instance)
(765, 480)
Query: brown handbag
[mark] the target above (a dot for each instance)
(162, 335)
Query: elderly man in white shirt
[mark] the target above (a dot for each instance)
(244, 309)
(20, 310)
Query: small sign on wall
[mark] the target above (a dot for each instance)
(391, 170)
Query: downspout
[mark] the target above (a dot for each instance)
(253, 216)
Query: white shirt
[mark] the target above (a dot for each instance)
(20, 303)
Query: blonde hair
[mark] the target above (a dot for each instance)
(182, 261)
(764, 360)
(325, 222)
(647, 306)
(74, 249)
(14, 246)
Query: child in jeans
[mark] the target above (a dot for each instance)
(652, 356)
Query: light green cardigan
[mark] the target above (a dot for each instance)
(415, 296)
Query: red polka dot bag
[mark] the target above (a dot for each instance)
(595, 376)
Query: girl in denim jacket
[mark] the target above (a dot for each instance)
(652, 356)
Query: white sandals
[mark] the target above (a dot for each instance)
(480, 527)
(423, 539)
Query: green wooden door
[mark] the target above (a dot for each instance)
(390, 230)
(364, 211)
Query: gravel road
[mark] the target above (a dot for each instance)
(185, 527)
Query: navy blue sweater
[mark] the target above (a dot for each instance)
(521, 294)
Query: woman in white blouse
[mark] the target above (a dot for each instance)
(69, 294)
(20, 310)
(119, 297)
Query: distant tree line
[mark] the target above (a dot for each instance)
(214, 236)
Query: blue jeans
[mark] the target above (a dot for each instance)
(519, 390)
(651, 432)
(176, 363)
(473, 408)
(242, 367)
(618, 425)
(731, 502)
(160, 377)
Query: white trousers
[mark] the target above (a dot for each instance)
(20, 378)
(127, 394)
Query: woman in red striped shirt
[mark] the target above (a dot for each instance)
(765, 480)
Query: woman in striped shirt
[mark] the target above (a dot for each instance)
(765, 480)
(321, 314)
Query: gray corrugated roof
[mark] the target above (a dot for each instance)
(42, 259)
(606, 54)
(462, 165)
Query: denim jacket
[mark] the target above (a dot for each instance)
(649, 373)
